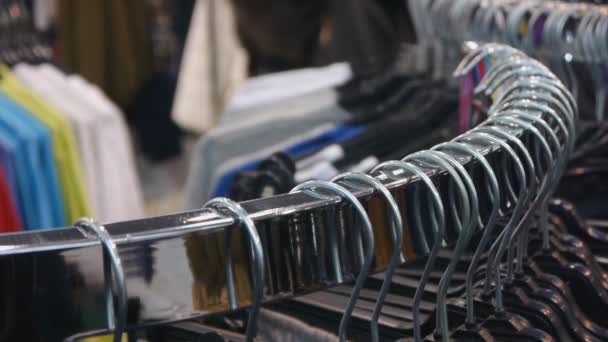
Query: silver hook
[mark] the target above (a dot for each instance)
(489, 127)
(368, 237)
(486, 134)
(478, 29)
(568, 132)
(579, 45)
(469, 223)
(584, 31)
(117, 321)
(496, 51)
(558, 35)
(438, 158)
(514, 20)
(439, 9)
(492, 184)
(508, 241)
(494, 81)
(513, 62)
(435, 8)
(432, 157)
(561, 150)
(258, 257)
(505, 71)
(443, 43)
(557, 171)
(493, 21)
(570, 137)
(397, 224)
(530, 100)
(555, 88)
(476, 20)
(461, 16)
(555, 55)
(587, 45)
(602, 33)
(560, 41)
(489, 133)
(548, 179)
(438, 226)
(508, 118)
(528, 41)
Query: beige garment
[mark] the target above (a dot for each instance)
(213, 65)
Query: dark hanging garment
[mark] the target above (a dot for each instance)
(279, 34)
(368, 33)
(106, 42)
(287, 34)
(158, 136)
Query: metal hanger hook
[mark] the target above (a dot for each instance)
(368, 238)
(496, 51)
(511, 117)
(553, 87)
(397, 228)
(438, 222)
(492, 135)
(468, 193)
(117, 317)
(258, 258)
(492, 186)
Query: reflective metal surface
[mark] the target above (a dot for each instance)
(52, 284)
(53, 281)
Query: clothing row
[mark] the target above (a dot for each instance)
(65, 152)
(240, 40)
(321, 130)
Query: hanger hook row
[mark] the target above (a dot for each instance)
(397, 230)
(368, 238)
(257, 250)
(438, 222)
(113, 269)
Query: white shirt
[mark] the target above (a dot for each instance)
(108, 164)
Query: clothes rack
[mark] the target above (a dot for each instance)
(57, 274)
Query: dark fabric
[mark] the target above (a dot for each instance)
(106, 42)
(584, 180)
(368, 33)
(273, 176)
(286, 34)
(182, 14)
(158, 136)
(279, 34)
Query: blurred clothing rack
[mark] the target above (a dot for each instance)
(71, 254)
(58, 274)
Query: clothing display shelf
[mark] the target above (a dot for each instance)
(60, 276)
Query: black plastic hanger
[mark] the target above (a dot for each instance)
(596, 239)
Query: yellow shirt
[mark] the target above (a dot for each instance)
(65, 146)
